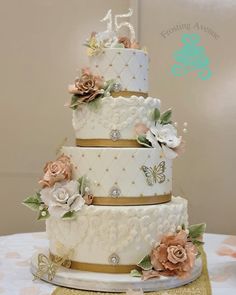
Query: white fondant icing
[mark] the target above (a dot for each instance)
(120, 167)
(113, 113)
(128, 66)
(128, 231)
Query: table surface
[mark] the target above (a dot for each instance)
(16, 251)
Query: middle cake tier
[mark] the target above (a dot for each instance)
(123, 176)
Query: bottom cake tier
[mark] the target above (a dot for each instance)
(107, 238)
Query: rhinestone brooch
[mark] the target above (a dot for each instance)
(115, 192)
(117, 87)
(114, 259)
(115, 135)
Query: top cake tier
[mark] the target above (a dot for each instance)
(129, 67)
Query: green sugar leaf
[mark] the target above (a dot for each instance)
(145, 263)
(196, 230)
(135, 273)
(155, 114)
(33, 202)
(165, 117)
(141, 139)
(69, 215)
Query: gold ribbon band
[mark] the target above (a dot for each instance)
(131, 201)
(95, 267)
(107, 143)
(129, 93)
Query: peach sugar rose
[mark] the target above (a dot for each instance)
(56, 171)
(175, 255)
(87, 87)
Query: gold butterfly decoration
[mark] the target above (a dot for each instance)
(155, 174)
(49, 267)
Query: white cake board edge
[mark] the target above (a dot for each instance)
(103, 282)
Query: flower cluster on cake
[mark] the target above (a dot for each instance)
(108, 201)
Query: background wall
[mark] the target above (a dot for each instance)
(40, 52)
(205, 174)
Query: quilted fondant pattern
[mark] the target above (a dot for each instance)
(128, 66)
(108, 167)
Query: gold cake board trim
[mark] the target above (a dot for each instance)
(201, 286)
(132, 201)
(106, 143)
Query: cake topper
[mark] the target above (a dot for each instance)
(112, 33)
(111, 38)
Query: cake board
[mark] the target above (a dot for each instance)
(103, 282)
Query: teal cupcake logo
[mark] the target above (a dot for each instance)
(191, 58)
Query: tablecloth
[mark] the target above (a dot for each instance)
(16, 251)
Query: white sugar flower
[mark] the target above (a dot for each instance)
(166, 135)
(62, 198)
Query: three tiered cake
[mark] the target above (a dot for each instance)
(108, 200)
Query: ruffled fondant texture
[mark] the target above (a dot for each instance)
(129, 67)
(122, 167)
(118, 113)
(128, 231)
